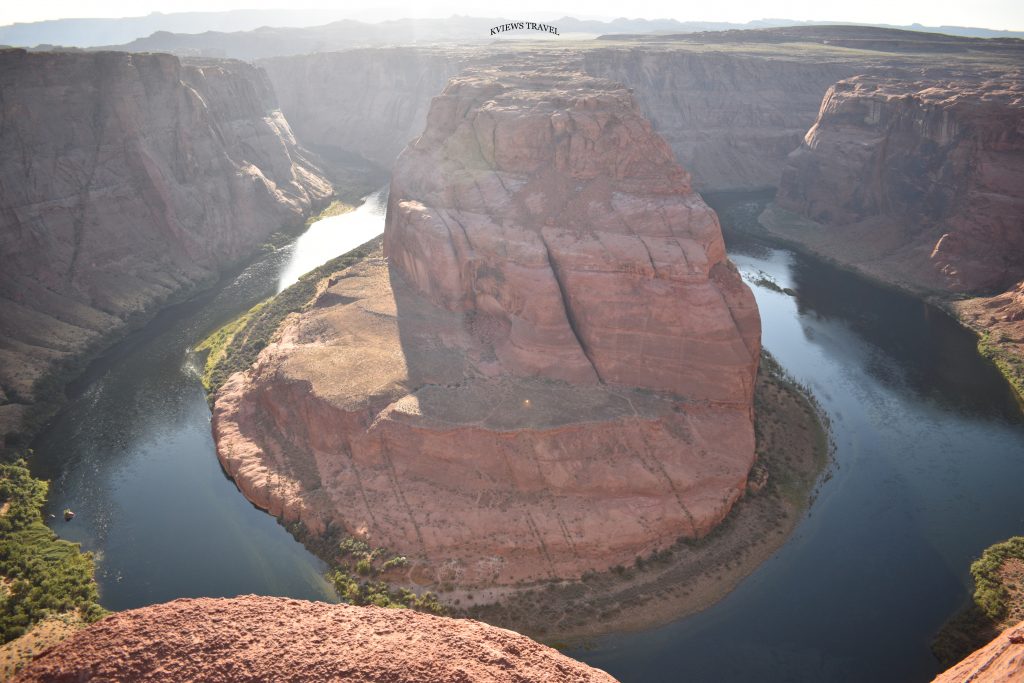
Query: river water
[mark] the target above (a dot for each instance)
(928, 469)
(928, 466)
(132, 453)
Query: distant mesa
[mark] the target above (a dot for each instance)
(551, 371)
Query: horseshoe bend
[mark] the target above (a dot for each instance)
(548, 369)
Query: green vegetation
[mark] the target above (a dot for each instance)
(1008, 362)
(216, 344)
(355, 576)
(40, 575)
(989, 592)
(765, 280)
(234, 347)
(335, 208)
(993, 603)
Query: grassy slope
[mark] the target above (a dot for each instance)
(234, 347)
(1006, 354)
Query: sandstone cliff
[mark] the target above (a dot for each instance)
(551, 373)
(918, 179)
(252, 638)
(369, 102)
(124, 179)
(731, 119)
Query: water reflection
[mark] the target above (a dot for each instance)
(930, 453)
(330, 237)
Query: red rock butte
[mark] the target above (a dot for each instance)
(253, 638)
(551, 371)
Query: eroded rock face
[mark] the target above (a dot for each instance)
(551, 372)
(730, 119)
(917, 179)
(125, 178)
(564, 221)
(252, 638)
(369, 102)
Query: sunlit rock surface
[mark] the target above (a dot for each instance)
(551, 372)
(256, 638)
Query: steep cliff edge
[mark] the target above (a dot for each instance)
(126, 178)
(370, 102)
(254, 638)
(551, 373)
(918, 180)
(731, 119)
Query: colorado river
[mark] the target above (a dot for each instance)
(928, 464)
(928, 468)
(133, 456)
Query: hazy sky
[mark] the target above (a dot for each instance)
(997, 14)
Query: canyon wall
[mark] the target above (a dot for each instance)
(731, 119)
(369, 102)
(550, 373)
(124, 179)
(916, 178)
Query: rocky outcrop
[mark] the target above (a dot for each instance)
(126, 178)
(252, 638)
(731, 119)
(1001, 661)
(916, 179)
(370, 102)
(551, 373)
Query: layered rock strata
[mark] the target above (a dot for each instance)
(369, 102)
(917, 179)
(253, 638)
(551, 372)
(731, 119)
(124, 179)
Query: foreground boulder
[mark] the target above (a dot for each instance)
(253, 638)
(552, 371)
